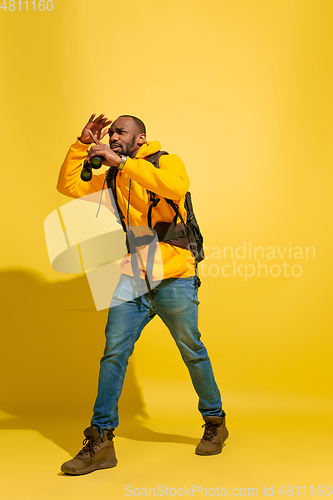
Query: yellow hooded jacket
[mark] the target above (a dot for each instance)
(168, 181)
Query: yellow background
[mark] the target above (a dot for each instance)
(242, 92)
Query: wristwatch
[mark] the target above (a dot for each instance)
(122, 163)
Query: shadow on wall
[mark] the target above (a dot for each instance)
(52, 342)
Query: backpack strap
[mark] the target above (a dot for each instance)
(154, 202)
(111, 177)
(176, 209)
(154, 159)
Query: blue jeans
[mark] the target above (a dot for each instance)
(175, 301)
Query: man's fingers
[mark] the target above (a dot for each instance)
(100, 118)
(94, 138)
(103, 134)
(96, 125)
(104, 123)
(94, 151)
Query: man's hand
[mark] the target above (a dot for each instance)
(96, 126)
(111, 159)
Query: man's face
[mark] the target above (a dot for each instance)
(125, 137)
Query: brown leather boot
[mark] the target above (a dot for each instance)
(214, 436)
(96, 453)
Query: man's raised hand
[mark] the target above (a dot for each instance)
(95, 126)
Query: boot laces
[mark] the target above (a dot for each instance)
(210, 431)
(89, 446)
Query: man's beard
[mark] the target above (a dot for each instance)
(126, 149)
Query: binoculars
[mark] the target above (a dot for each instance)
(86, 172)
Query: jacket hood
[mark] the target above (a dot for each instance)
(148, 148)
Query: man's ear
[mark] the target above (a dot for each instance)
(141, 139)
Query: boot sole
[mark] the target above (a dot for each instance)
(219, 450)
(108, 464)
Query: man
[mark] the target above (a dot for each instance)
(174, 298)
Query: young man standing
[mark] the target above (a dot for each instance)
(174, 298)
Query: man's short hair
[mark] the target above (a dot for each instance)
(139, 123)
